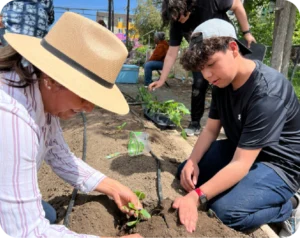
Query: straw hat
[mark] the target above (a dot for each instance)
(81, 55)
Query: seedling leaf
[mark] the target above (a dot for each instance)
(131, 223)
(131, 205)
(145, 214)
(140, 194)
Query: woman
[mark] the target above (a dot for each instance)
(156, 61)
(61, 81)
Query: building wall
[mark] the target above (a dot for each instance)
(120, 21)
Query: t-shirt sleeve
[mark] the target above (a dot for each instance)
(213, 112)
(263, 125)
(223, 5)
(175, 34)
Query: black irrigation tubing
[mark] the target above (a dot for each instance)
(158, 181)
(74, 193)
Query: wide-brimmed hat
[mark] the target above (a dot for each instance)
(219, 28)
(81, 55)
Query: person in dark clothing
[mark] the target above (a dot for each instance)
(252, 177)
(184, 16)
(156, 60)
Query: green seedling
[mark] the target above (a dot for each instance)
(121, 127)
(172, 109)
(140, 214)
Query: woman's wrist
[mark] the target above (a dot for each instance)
(107, 186)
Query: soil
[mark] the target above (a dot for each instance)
(97, 214)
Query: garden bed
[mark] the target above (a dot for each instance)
(96, 214)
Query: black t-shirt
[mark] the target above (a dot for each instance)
(205, 10)
(263, 113)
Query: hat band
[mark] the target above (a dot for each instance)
(75, 65)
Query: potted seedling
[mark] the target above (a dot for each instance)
(140, 214)
(166, 114)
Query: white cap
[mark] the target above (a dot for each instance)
(219, 28)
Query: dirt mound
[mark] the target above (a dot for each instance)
(93, 214)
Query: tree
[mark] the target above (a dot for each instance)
(285, 18)
(147, 17)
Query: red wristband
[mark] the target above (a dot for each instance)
(199, 192)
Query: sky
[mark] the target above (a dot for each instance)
(120, 6)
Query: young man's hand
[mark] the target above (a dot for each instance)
(189, 175)
(188, 210)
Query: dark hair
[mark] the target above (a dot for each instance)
(12, 61)
(197, 55)
(101, 22)
(174, 8)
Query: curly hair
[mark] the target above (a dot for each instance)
(197, 55)
(172, 9)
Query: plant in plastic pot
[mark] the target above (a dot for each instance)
(172, 110)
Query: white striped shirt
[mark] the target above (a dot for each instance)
(28, 136)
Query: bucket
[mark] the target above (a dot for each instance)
(138, 143)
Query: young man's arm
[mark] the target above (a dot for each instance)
(240, 13)
(168, 63)
(238, 168)
(223, 180)
(190, 172)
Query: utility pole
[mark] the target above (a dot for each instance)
(127, 24)
(109, 15)
(113, 17)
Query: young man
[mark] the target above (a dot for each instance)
(184, 16)
(156, 60)
(252, 177)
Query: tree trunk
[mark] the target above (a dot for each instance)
(289, 40)
(280, 31)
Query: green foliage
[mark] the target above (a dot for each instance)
(121, 127)
(261, 20)
(142, 49)
(172, 109)
(140, 214)
(148, 18)
(296, 36)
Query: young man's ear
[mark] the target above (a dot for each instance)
(233, 46)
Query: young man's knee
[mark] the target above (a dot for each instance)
(231, 216)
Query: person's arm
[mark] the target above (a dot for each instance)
(240, 13)
(82, 176)
(168, 63)
(66, 165)
(22, 213)
(238, 168)
(190, 172)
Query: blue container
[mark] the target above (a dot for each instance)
(128, 74)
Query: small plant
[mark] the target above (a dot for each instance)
(121, 127)
(140, 214)
(172, 109)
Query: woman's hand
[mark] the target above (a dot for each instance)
(188, 212)
(121, 194)
(189, 175)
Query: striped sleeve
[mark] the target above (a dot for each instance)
(21, 211)
(66, 165)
